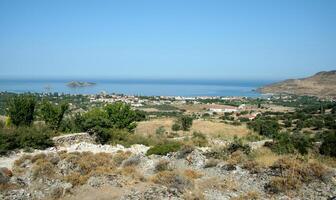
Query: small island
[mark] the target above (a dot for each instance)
(76, 84)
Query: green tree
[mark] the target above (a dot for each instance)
(53, 114)
(121, 116)
(185, 122)
(329, 143)
(21, 110)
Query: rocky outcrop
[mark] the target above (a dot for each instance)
(70, 139)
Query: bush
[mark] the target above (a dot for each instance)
(21, 110)
(199, 139)
(237, 144)
(163, 149)
(185, 122)
(292, 172)
(34, 137)
(162, 165)
(328, 146)
(176, 127)
(160, 131)
(266, 127)
(24, 137)
(289, 143)
(172, 180)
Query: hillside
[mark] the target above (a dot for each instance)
(322, 84)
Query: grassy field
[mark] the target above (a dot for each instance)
(212, 129)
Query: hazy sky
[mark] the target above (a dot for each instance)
(167, 38)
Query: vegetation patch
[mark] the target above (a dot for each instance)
(163, 149)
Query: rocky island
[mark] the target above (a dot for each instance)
(76, 84)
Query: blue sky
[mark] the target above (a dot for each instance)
(211, 39)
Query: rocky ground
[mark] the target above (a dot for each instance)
(90, 171)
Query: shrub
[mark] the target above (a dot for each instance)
(176, 127)
(289, 143)
(21, 110)
(211, 163)
(33, 137)
(199, 139)
(119, 157)
(162, 165)
(217, 153)
(185, 149)
(163, 149)
(328, 146)
(132, 161)
(172, 180)
(237, 144)
(192, 174)
(24, 137)
(182, 123)
(293, 172)
(160, 131)
(266, 127)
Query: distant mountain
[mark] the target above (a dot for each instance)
(322, 84)
(75, 84)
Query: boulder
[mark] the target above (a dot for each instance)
(5, 175)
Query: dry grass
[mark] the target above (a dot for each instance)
(43, 169)
(294, 172)
(172, 179)
(264, 157)
(251, 195)
(192, 174)
(194, 194)
(162, 165)
(218, 129)
(209, 128)
(218, 184)
(212, 162)
(133, 173)
(149, 127)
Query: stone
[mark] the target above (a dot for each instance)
(5, 175)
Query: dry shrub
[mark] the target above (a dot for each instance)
(38, 157)
(192, 174)
(251, 195)
(75, 178)
(172, 179)
(193, 195)
(88, 164)
(217, 184)
(211, 163)
(252, 166)
(237, 157)
(43, 169)
(283, 184)
(132, 161)
(293, 172)
(22, 160)
(132, 172)
(186, 149)
(162, 165)
(264, 156)
(8, 186)
(120, 156)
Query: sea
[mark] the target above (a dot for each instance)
(144, 87)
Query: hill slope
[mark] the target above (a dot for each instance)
(322, 84)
